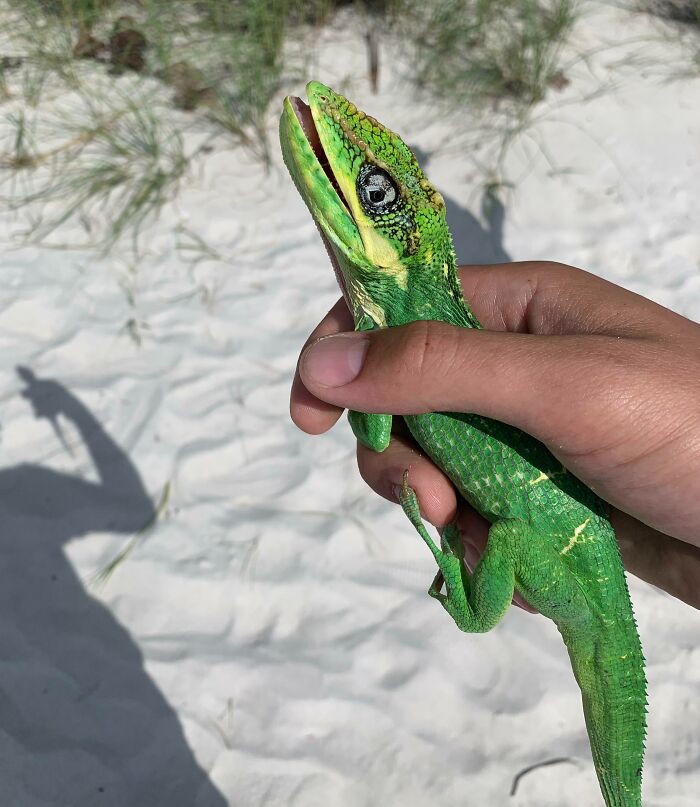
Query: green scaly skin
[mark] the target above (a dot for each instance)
(550, 538)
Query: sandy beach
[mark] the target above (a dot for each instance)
(269, 639)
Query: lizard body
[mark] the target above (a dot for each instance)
(550, 538)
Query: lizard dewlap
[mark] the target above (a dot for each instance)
(550, 539)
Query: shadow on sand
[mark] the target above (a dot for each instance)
(81, 723)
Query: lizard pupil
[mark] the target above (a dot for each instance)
(376, 189)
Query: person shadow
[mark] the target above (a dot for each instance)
(81, 722)
(474, 242)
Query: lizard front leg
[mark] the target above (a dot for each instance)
(476, 602)
(373, 431)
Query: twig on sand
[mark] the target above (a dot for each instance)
(372, 41)
(224, 725)
(545, 764)
(107, 571)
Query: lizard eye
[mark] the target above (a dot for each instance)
(376, 189)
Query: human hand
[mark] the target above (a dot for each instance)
(46, 397)
(608, 380)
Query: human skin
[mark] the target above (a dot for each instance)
(608, 380)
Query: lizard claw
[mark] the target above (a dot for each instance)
(435, 589)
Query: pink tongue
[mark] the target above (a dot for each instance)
(305, 118)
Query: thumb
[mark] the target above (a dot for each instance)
(537, 383)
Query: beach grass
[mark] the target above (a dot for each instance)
(117, 94)
(686, 11)
(478, 53)
(103, 574)
(107, 169)
(683, 18)
(494, 61)
(103, 96)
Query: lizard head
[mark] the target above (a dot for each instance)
(383, 222)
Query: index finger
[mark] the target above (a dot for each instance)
(548, 298)
(308, 412)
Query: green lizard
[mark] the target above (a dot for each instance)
(550, 538)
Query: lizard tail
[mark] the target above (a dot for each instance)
(609, 669)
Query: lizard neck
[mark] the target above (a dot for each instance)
(431, 292)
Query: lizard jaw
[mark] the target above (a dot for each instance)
(310, 168)
(306, 120)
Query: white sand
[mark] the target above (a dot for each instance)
(271, 642)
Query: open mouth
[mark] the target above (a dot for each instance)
(328, 204)
(308, 126)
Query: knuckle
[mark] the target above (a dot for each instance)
(420, 346)
(556, 267)
(431, 351)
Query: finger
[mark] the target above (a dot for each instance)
(544, 385)
(309, 413)
(25, 374)
(665, 562)
(384, 474)
(436, 495)
(529, 297)
(475, 532)
(552, 298)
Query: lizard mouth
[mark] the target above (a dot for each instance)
(313, 175)
(305, 119)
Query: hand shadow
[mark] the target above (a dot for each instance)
(81, 723)
(474, 243)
